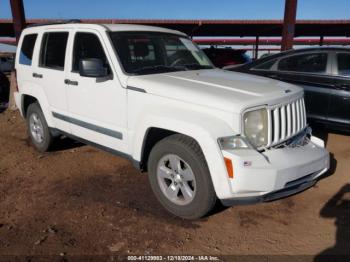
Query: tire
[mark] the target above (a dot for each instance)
(37, 127)
(186, 190)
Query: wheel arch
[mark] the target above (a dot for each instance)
(32, 94)
(27, 100)
(204, 130)
(152, 136)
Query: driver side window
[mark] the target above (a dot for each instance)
(87, 45)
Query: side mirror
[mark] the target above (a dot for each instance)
(92, 67)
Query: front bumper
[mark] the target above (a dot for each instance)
(275, 173)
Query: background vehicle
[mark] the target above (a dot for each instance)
(6, 63)
(150, 95)
(4, 91)
(222, 57)
(324, 73)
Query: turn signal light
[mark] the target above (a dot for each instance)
(229, 167)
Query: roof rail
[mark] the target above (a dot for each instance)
(70, 21)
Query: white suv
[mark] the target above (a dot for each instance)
(149, 94)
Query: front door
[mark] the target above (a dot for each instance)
(97, 106)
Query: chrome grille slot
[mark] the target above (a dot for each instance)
(285, 121)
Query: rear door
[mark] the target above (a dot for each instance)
(50, 73)
(339, 110)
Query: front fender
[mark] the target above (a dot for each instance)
(204, 128)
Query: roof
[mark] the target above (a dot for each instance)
(290, 52)
(110, 27)
(241, 28)
(133, 27)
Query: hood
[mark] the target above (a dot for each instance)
(216, 88)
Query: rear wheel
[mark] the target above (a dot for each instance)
(38, 129)
(180, 178)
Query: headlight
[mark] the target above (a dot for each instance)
(255, 127)
(232, 142)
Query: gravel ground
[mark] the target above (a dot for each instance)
(78, 200)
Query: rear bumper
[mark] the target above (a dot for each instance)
(276, 173)
(17, 97)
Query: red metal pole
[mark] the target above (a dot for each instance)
(290, 12)
(18, 17)
(256, 53)
(321, 40)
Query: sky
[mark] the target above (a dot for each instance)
(178, 9)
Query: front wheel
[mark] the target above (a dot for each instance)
(180, 178)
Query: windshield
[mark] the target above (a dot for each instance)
(143, 53)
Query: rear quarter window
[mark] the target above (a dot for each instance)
(343, 60)
(27, 49)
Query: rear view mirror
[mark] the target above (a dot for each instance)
(92, 67)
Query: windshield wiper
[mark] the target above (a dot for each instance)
(197, 66)
(156, 68)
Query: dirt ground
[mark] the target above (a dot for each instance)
(78, 200)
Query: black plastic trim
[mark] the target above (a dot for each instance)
(136, 89)
(99, 129)
(134, 162)
(270, 196)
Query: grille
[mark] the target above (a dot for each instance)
(285, 121)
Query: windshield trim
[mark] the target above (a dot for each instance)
(109, 33)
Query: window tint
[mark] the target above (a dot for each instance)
(265, 66)
(27, 48)
(308, 63)
(87, 45)
(53, 50)
(343, 64)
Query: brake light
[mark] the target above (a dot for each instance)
(229, 167)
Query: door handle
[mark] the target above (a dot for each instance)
(70, 82)
(36, 75)
(274, 76)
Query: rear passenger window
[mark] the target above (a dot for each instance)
(53, 50)
(305, 63)
(27, 49)
(87, 45)
(343, 64)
